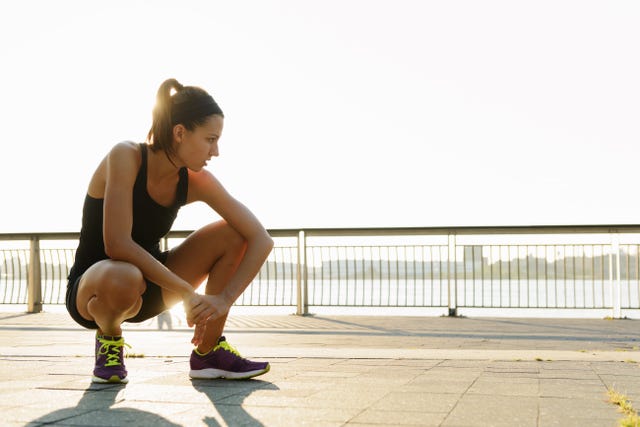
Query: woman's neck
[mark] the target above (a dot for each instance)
(159, 166)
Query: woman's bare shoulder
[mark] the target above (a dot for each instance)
(119, 156)
(202, 185)
(126, 147)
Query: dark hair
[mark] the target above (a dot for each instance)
(189, 106)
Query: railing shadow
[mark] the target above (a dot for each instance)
(228, 403)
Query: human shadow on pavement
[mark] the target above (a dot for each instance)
(227, 397)
(95, 408)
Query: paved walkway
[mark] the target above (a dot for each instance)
(330, 371)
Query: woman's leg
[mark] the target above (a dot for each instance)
(110, 292)
(212, 253)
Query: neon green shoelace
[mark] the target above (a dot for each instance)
(112, 349)
(226, 346)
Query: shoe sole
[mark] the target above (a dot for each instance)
(211, 374)
(113, 380)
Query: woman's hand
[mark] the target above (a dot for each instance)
(197, 309)
(200, 308)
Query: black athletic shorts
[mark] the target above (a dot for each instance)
(152, 303)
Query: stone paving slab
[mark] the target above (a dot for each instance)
(302, 392)
(365, 371)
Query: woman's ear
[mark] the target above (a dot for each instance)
(178, 132)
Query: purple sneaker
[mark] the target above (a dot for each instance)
(224, 361)
(109, 360)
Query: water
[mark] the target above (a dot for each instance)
(415, 296)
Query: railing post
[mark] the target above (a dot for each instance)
(452, 284)
(616, 291)
(34, 282)
(302, 301)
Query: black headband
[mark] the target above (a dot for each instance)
(185, 112)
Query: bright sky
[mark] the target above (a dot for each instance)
(339, 113)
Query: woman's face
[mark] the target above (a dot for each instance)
(195, 148)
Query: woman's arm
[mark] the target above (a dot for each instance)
(205, 187)
(122, 166)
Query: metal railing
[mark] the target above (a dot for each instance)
(562, 267)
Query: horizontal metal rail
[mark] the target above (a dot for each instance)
(541, 267)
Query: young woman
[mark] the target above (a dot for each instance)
(121, 275)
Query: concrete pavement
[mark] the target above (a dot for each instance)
(330, 371)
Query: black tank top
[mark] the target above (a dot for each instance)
(151, 221)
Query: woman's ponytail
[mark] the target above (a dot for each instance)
(160, 136)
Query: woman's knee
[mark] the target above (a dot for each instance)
(114, 282)
(125, 279)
